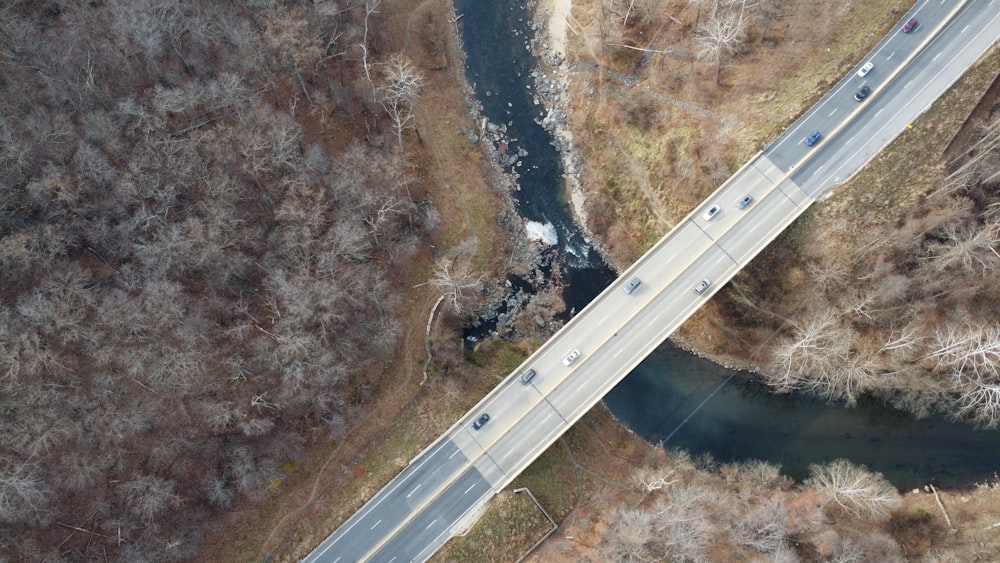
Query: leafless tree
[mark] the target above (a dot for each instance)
(403, 82)
(723, 33)
(684, 525)
(871, 545)
(628, 537)
(977, 402)
(820, 346)
(654, 478)
(23, 495)
(968, 349)
(970, 249)
(765, 527)
(855, 489)
(371, 8)
(454, 279)
(148, 496)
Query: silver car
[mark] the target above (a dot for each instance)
(571, 357)
(702, 286)
(632, 285)
(744, 202)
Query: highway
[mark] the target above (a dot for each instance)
(443, 490)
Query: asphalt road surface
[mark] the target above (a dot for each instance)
(443, 489)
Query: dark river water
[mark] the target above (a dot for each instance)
(674, 396)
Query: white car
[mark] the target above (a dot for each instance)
(712, 212)
(702, 286)
(866, 69)
(573, 355)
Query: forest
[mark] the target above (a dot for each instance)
(201, 207)
(210, 212)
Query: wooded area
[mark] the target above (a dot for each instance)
(201, 207)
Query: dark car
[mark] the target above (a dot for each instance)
(812, 139)
(910, 25)
(480, 421)
(527, 376)
(862, 93)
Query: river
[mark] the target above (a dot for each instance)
(673, 396)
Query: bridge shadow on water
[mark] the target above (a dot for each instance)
(674, 396)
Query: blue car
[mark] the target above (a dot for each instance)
(812, 139)
(480, 421)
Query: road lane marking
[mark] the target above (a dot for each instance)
(890, 56)
(849, 141)
(429, 525)
(936, 56)
(878, 112)
(831, 113)
(379, 500)
(413, 491)
(548, 416)
(337, 559)
(923, 87)
(454, 453)
(620, 350)
(376, 524)
(964, 29)
(473, 486)
(600, 322)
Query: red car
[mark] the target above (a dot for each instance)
(910, 25)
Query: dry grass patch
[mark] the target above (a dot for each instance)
(511, 525)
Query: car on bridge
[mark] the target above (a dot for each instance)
(480, 421)
(527, 376)
(702, 286)
(571, 357)
(910, 25)
(813, 139)
(864, 70)
(862, 93)
(712, 212)
(632, 285)
(744, 201)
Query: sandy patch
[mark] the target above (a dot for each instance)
(558, 20)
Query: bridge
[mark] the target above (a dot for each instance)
(446, 486)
